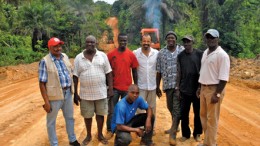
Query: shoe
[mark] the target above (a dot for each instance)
(172, 141)
(182, 139)
(75, 143)
(109, 135)
(197, 138)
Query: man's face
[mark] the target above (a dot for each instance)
(90, 43)
(122, 40)
(146, 42)
(211, 41)
(187, 45)
(171, 40)
(133, 94)
(55, 50)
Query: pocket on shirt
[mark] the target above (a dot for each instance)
(52, 90)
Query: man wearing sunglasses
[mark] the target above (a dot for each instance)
(214, 74)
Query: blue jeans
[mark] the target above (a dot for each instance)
(112, 101)
(66, 106)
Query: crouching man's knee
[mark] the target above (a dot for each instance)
(122, 138)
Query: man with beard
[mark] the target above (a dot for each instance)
(214, 74)
(146, 72)
(189, 62)
(122, 61)
(166, 67)
(93, 70)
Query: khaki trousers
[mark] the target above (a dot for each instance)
(209, 114)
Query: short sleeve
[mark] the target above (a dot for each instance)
(42, 71)
(142, 103)
(134, 63)
(224, 67)
(76, 66)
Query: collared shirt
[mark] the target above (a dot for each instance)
(147, 69)
(214, 67)
(167, 66)
(63, 72)
(92, 75)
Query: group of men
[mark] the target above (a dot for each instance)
(188, 76)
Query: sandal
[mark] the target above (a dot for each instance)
(103, 140)
(86, 141)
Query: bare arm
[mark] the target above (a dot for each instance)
(134, 73)
(109, 78)
(220, 88)
(46, 106)
(76, 95)
(158, 80)
(148, 123)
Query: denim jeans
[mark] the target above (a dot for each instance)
(66, 106)
(112, 101)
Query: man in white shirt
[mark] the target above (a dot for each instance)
(146, 72)
(214, 74)
(92, 68)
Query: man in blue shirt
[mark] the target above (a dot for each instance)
(125, 121)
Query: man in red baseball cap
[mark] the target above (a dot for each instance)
(55, 81)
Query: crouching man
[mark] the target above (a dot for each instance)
(125, 121)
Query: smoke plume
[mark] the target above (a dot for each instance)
(153, 12)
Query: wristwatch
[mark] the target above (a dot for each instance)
(218, 95)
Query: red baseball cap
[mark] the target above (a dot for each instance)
(54, 42)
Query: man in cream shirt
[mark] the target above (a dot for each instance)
(214, 74)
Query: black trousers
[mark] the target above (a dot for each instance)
(124, 138)
(186, 101)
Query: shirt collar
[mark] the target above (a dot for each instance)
(53, 58)
(97, 53)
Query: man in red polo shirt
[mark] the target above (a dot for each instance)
(122, 61)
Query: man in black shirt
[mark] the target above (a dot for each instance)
(189, 62)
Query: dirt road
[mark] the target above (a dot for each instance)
(23, 118)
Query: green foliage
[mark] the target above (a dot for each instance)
(14, 56)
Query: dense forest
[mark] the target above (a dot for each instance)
(26, 25)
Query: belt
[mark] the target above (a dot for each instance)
(207, 85)
(65, 88)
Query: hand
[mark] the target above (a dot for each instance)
(76, 99)
(158, 92)
(198, 93)
(47, 107)
(214, 99)
(140, 132)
